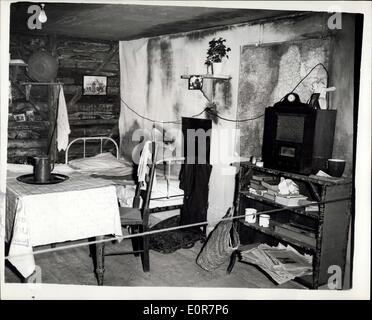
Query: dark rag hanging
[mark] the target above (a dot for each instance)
(194, 181)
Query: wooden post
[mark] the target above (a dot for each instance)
(52, 103)
(52, 152)
(100, 260)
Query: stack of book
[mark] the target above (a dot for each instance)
(290, 200)
(270, 195)
(258, 184)
(311, 206)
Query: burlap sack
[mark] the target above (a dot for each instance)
(221, 243)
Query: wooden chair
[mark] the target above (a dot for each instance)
(136, 220)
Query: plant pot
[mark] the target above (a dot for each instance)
(217, 68)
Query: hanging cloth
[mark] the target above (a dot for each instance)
(194, 180)
(63, 126)
(145, 159)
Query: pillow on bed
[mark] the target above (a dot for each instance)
(99, 162)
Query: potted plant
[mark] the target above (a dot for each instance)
(216, 52)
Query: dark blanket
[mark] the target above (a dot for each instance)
(170, 241)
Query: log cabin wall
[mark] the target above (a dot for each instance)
(88, 115)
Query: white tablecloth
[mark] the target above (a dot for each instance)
(78, 208)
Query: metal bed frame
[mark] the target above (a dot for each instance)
(169, 160)
(84, 139)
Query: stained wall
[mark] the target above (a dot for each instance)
(151, 85)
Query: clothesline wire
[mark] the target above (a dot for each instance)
(148, 233)
(237, 120)
(196, 115)
(149, 119)
(311, 70)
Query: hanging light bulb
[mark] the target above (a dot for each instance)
(42, 16)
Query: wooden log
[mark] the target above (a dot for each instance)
(27, 143)
(113, 82)
(80, 116)
(90, 55)
(25, 152)
(108, 67)
(92, 107)
(27, 130)
(78, 74)
(114, 132)
(113, 90)
(108, 60)
(20, 106)
(91, 111)
(78, 94)
(31, 100)
(28, 125)
(26, 134)
(99, 131)
(38, 93)
(89, 65)
(70, 89)
(93, 122)
(75, 98)
(65, 80)
(99, 99)
(81, 46)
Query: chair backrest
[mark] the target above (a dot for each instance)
(145, 195)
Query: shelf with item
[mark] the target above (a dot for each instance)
(307, 243)
(300, 209)
(314, 217)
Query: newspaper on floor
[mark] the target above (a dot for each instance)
(281, 263)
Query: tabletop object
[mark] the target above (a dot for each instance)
(54, 178)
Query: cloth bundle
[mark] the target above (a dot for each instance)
(63, 126)
(221, 244)
(145, 159)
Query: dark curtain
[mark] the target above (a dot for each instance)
(194, 180)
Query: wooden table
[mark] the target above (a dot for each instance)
(78, 208)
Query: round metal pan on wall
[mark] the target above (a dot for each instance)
(42, 66)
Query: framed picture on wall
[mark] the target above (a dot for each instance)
(94, 85)
(19, 117)
(195, 82)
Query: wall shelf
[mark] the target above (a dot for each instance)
(208, 76)
(17, 63)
